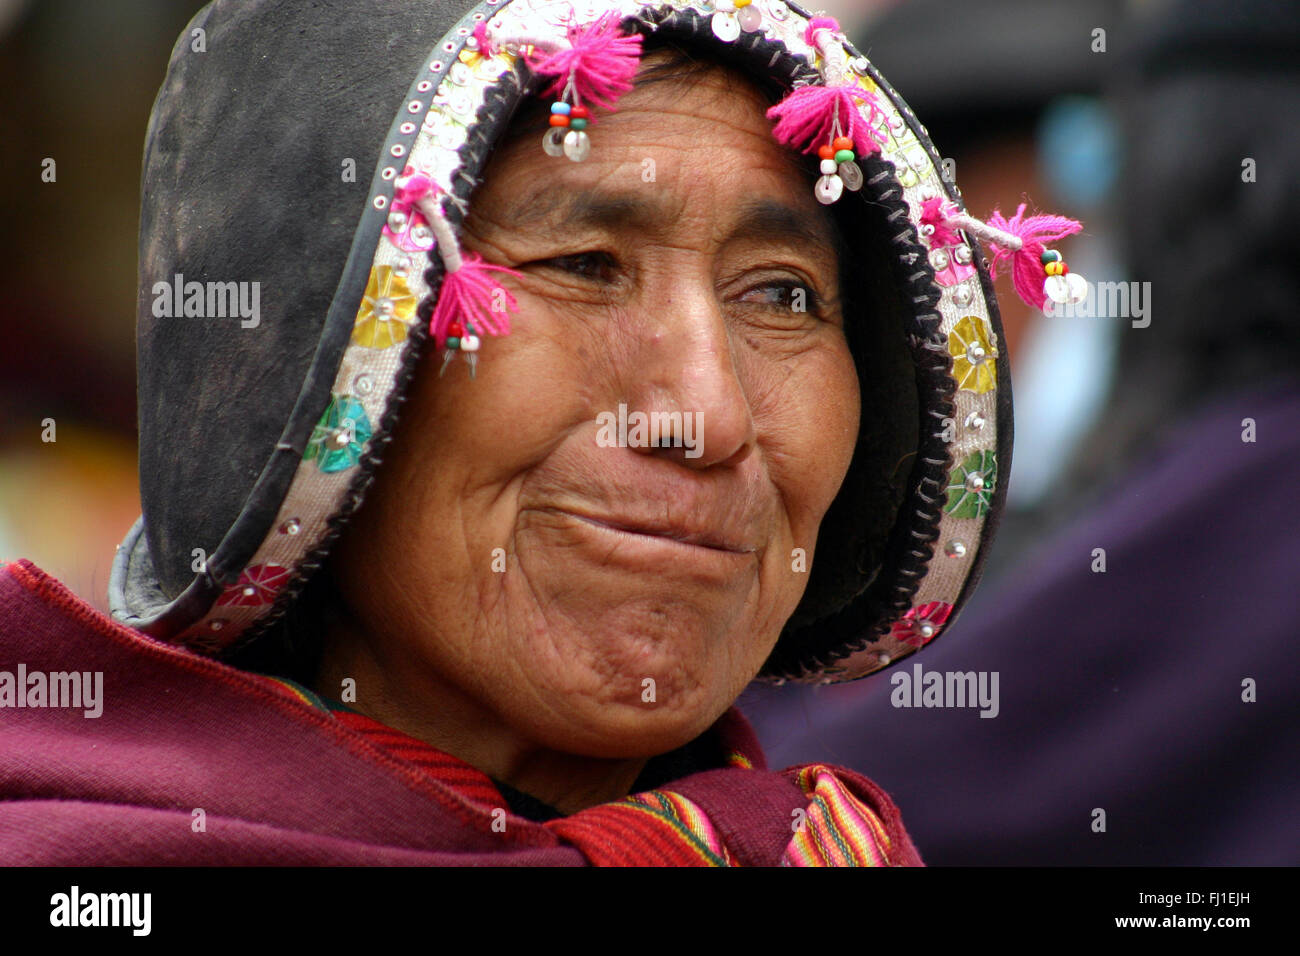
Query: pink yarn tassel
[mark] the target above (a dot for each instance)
(467, 295)
(601, 62)
(806, 118)
(1026, 262)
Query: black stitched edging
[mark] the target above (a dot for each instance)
(913, 560)
(807, 651)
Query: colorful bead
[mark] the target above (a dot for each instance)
(1050, 255)
(580, 112)
(841, 143)
(453, 342)
(561, 107)
(1053, 268)
(577, 123)
(826, 152)
(558, 119)
(844, 156)
(455, 329)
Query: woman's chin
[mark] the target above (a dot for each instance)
(623, 694)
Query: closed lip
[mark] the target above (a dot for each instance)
(673, 532)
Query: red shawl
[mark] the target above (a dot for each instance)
(194, 762)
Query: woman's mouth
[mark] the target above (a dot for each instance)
(668, 531)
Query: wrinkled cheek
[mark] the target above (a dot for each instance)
(821, 441)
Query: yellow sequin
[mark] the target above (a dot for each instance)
(973, 355)
(386, 309)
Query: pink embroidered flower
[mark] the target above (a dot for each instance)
(406, 227)
(934, 213)
(256, 586)
(921, 624)
(949, 250)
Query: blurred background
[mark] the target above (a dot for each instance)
(77, 82)
(1168, 128)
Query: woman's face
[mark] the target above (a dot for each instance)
(614, 601)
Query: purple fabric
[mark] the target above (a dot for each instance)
(279, 781)
(1120, 691)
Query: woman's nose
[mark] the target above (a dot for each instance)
(683, 370)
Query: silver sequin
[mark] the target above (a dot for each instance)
(829, 189)
(577, 145)
(725, 26)
(553, 141)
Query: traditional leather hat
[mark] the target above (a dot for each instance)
(307, 170)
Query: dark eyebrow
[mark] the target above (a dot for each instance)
(576, 210)
(762, 218)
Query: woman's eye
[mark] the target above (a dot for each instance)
(791, 295)
(589, 265)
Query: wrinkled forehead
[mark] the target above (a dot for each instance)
(689, 146)
(687, 108)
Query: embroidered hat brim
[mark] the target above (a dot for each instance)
(275, 160)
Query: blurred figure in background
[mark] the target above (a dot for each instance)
(1145, 634)
(77, 80)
